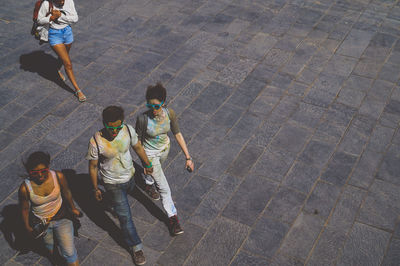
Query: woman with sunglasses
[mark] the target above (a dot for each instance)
(61, 16)
(42, 198)
(152, 128)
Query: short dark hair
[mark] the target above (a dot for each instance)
(156, 92)
(113, 113)
(36, 158)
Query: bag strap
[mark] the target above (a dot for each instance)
(130, 135)
(97, 145)
(143, 125)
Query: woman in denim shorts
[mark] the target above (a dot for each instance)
(60, 36)
(44, 197)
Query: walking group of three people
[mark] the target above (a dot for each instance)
(45, 195)
(46, 202)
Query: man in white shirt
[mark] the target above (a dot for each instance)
(109, 155)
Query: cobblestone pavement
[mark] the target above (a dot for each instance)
(291, 109)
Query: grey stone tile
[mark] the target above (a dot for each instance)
(346, 208)
(29, 258)
(245, 160)
(285, 204)
(227, 115)
(351, 97)
(244, 129)
(297, 88)
(180, 248)
(84, 246)
(389, 72)
(101, 255)
(266, 237)
(353, 142)
(317, 153)
(220, 160)
(244, 258)
(361, 238)
(220, 244)
(6, 252)
(277, 57)
(190, 197)
(322, 199)
(363, 124)
(236, 71)
(209, 209)
(339, 168)
(158, 238)
(308, 115)
(245, 207)
(328, 247)
(355, 43)
(273, 164)
(381, 90)
(393, 107)
(281, 260)
(258, 46)
(291, 138)
(264, 72)
(381, 206)
(264, 134)
(75, 122)
(284, 109)
(211, 98)
(389, 120)
(340, 65)
(301, 236)
(301, 177)
(367, 67)
(380, 138)
(364, 173)
(392, 256)
(389, 169)
(5, 139)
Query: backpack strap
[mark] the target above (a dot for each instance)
(143, 126)
(129, 131)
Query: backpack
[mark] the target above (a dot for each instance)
(40, 32)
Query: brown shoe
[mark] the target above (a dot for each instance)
(174, 226)
(152, 192)
(138, 257)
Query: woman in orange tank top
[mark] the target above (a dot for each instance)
(41, 198)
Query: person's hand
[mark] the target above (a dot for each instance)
(189, 165)
(98, 195)
(56, 13)
(76, 212)
(148, 171)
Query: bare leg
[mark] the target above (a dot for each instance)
(62, 51)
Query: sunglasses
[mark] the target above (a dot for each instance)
(38, 172)
(117, 128)
(154, 106)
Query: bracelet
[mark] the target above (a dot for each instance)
(96, 189)
(149, 166)
(190, 158)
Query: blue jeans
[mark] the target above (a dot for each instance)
(63, 231)
(119, 199)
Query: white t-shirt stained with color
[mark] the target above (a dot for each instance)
(115, 163)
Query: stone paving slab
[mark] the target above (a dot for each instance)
(290, 108)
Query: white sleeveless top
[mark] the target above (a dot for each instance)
(45, 206)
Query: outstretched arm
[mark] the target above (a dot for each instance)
(67, 193)
(23, 197)
(138, 148)
(181, 141)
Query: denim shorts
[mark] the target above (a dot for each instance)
(61, 36)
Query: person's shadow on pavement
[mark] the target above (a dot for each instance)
(81, 189)
(45, 65)
(16, 236)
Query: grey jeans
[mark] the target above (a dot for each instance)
(161, 182)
